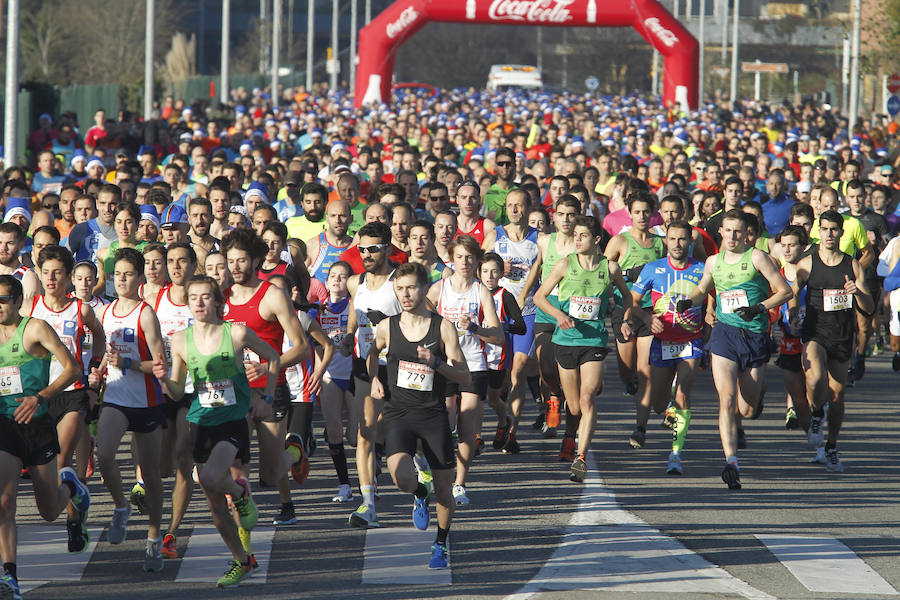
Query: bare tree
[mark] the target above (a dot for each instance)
(43, 41)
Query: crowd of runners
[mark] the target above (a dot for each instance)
(222, 271)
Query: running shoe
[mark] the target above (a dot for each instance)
(637, 438)
(440, 556)
(819, 458)
(790, 419)
(500, 437)
(895, 362)
(859, 369)
(833, 461)
(81, 497)
(731, 476)
(741, 439)
(153, 558)
(365, 517)
(139, 497)
(547, 432)
(459, 494)
(344, 493)
(299, 468)
(669, 419)
(539, 423)
(235, 573)
(553, 416)
(511, 446)
(117, 530)
(420, 514)
(287, 516)
(878, 346)
(78, 535)
(245, 506)
(9, 587)
(673, 465)
(578, 470)
(567, 449)
(169, 547)
(816, 435)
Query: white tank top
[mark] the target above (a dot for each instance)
(452, 305)
(521, 255)
(87, 344)
(129, 388)
(68, 326)
(172, 317)
(299, 376)
(335, 327)
(383, 300)
(493, 353)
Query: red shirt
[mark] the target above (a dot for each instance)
(352, 256)
(268, 331)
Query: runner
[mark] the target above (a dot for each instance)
(125, 223)
(445, 229)
(462, 300)
(422, 251)
(414, 411)
(792, 244)
(12, 242)
(28, 432)
(469, 222)
(584, 281)
(323, 250)
(155, 275)
(210, 353)
(677, 347)
(835, 285)
(739, 342)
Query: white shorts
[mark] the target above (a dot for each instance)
(895, 318)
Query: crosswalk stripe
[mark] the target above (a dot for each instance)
(824, 564)
(43, 555)
(207, 558)
(608, 548)
(399, 556)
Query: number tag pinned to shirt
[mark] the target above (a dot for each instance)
(215, 394)
(733, 300)
(672, 350)
(586, 308)
(10, 381)
(415, 376)
(834, 300)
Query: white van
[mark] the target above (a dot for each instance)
(504, 77)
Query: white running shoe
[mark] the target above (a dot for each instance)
(816, 433)
(833, 461)
(344, 493)
(673, 466)
(459, 494)
(819, 458)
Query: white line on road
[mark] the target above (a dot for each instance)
(207, 558)
(824, 564)
(43, 555)
(399, 556)
(606, 548)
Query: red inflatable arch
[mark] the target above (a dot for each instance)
(378, 41)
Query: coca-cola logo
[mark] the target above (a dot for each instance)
(405, 19)
(531, 11)
(665, 36)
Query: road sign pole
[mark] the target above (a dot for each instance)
(756, 78)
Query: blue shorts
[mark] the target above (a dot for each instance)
(747, 348)
(693, 349)
(344, 384)
(522, 344)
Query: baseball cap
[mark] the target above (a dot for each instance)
(173, 214)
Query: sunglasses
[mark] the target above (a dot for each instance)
(373, 249)
(504, 163)
(50, 206)
(7, 299)
(439, 197)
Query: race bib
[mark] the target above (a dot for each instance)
(835, 300)
(249, 356)
(215, 394)
(415, 376)
(10, 381)
(586, 308)
(671, 350)
(732, 300)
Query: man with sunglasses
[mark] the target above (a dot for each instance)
(495, 198)
(438, 202)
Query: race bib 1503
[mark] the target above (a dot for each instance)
(834, 300)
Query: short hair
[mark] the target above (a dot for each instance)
(246, 240)
(375, 229)
(493, 257)
(673, 198)
(414, 269)
(802, 210)
(132, 257)
(590, 222)
(796, 230)
(388, 214)
(111, 188)
(220, 183)
(278, 228)
(683, 225)
(57, 253)
(641, 196)
(50, 230)
(201, 202)
(832, 216)
(738, 214)
(192, 254)
(13, 285)
(154, 247)
(218, 296)
(856, 184)
(429, 227)
(507, 152)
(468, 243)
(158, 196)
(313, 188)
(395, 189)
(343, 264)
(734, 180)
(268, 207)
(10, 227)
(131, 208)
(570, 201)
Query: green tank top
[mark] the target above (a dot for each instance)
(21, 374)
(636, 255)
(583, 295)
(762, 243)
(222, 390)
(739, 285)
(550, 260)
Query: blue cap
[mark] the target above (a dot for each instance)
(257, 189)
(148, 213)
(146, 150)
(173, 214)
(17, 206)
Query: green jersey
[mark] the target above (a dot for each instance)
(21, 374)
(739, 285)
(550, 259)
(584, 296)
(222, 389)
(636, 256)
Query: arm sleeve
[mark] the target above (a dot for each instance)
(511, 308)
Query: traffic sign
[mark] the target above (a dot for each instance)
(761, 67)
(893, 83)
(893, 105)
(592, 83)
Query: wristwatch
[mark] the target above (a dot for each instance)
(41, 400)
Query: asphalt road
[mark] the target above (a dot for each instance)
(630, 531)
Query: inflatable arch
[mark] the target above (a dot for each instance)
(378, 41)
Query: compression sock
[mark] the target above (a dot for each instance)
(534, 384)
(441, 536)
(421, 491)
(682, 423)
(572, 422)
(339, 458)
(10, 568)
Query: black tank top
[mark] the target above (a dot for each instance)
(828, 281)
(412, 383)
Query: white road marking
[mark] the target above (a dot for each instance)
(206, 558)
(399, 556)
(824, 564)
(43, 555)
(606, 548)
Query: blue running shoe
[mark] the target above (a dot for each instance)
(81, 499)
(9, 588)
(421, 516)
(439, 557)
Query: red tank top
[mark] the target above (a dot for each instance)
(476, 232)
(270, 332)
(280, 269)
